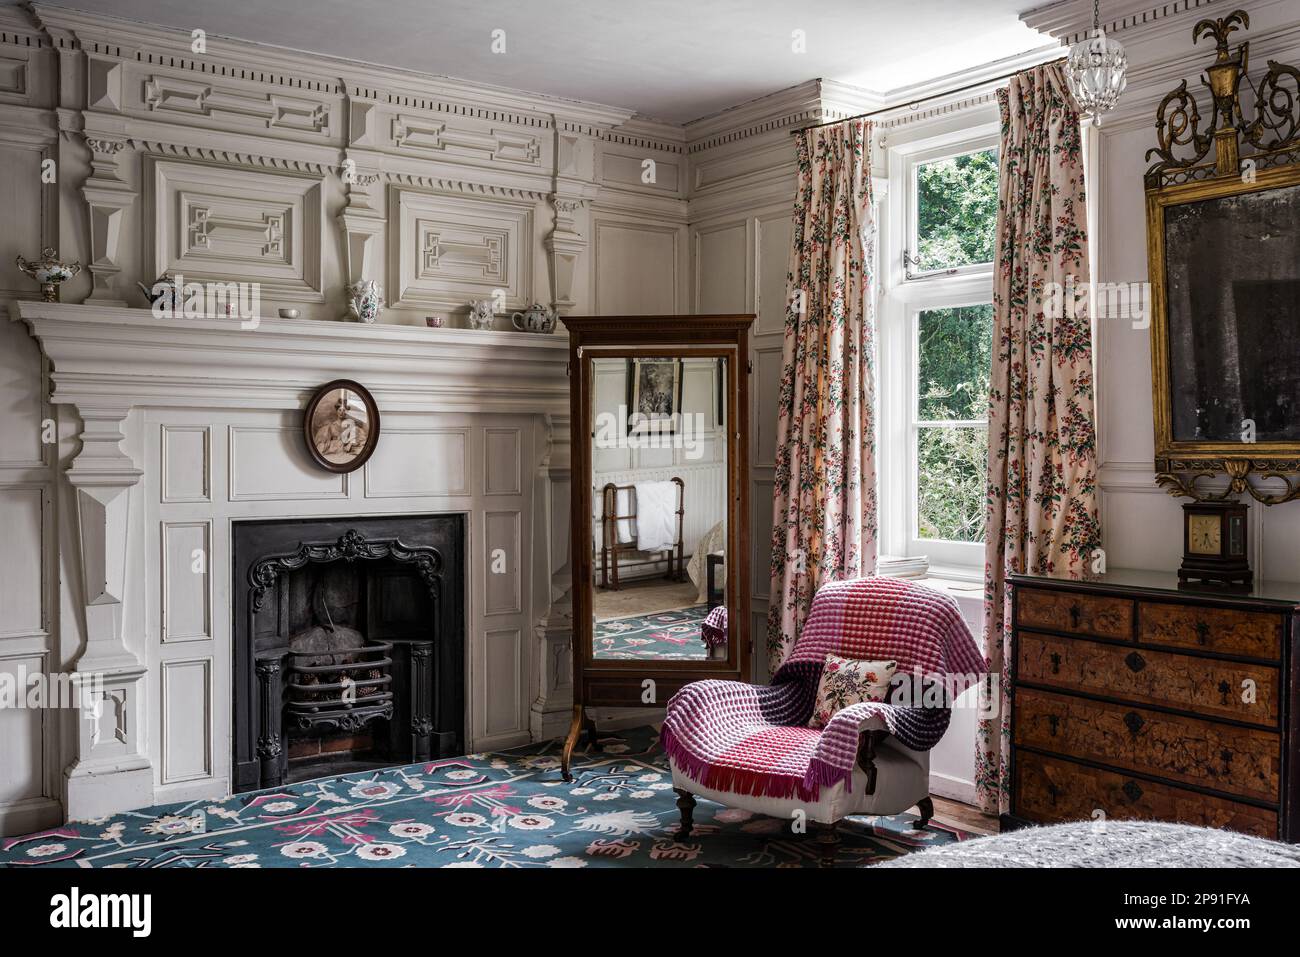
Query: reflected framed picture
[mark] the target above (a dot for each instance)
(654, 395)
(341, 425)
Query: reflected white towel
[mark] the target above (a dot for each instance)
(656, 516)
(623, 506)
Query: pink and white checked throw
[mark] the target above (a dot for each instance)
(714, 627)
(751, 739)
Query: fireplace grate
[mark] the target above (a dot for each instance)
(344, 694)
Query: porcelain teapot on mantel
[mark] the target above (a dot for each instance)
(536, 318)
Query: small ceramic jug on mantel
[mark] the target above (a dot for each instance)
(365, 300)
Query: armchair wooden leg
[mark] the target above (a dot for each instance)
(828, 842)
(926, 807)
(685, 804)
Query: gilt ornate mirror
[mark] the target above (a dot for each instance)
(1223, 244)
(660, 508)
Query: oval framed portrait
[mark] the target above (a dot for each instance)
(341, 425)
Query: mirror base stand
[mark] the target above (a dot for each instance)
(581, 722)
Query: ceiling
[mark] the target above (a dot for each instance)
(674, 60)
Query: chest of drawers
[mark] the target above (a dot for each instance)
(1134, 698)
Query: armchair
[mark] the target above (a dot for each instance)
(749, 746)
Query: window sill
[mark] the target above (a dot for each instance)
(962, 574)
(892, 566)
(964, 583)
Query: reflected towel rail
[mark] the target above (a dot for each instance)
(611, 548)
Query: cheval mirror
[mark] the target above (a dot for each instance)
(660, 508)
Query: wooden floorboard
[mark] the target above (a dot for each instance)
(964, 817)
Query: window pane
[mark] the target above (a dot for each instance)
(951, 464)
(956, 210)
(956, 347)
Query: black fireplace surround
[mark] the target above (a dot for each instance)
(398, 581)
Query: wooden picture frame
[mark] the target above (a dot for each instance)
(654, 406)
(341, 426)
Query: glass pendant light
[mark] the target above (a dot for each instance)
(1095, 70)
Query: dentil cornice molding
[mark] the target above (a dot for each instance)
(794, 106)
(1071, 20)
(295, 71)
(229, 157)
(1161, 51)
(447, 184)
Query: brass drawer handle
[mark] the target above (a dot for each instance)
(1132, 791)
(1074, 615)
(1225, 689)
(1202, 632)
(1135, 662)
(1134, 722)
(1053, 721)
(1056, 663)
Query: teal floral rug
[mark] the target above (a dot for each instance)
(500, 809)
(664, 634)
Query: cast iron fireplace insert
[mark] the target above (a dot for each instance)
(349, 645)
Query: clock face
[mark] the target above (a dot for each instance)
(1204, 534)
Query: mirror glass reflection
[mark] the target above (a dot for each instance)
(659, 500)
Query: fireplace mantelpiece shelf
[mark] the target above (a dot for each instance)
(215, 361)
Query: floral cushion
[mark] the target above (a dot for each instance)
(847, 681)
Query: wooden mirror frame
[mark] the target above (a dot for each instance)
(618, 683)
(1194, 163)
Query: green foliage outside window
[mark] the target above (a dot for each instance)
(953, 385)
(956, 210)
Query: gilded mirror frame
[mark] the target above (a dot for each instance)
(1195, 165)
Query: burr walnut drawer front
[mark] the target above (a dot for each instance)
(1206, 686)
(1223, 757)
(1049, 790)
(1226, 631)
(1078, 614)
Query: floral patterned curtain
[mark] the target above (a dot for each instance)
(1042, 476)
(824, 513)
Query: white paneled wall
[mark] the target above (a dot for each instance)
(29, 737)
(740, 240)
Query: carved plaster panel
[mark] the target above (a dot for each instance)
(451, 249)
(238, 225)
(431, 136)
(235, 107)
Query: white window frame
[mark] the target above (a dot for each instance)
(903, 297)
